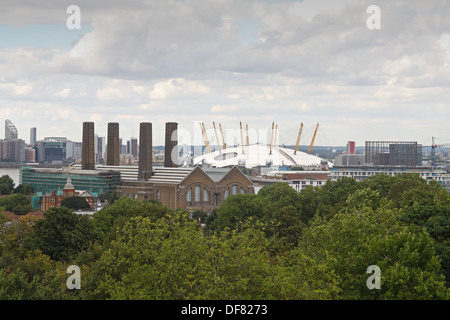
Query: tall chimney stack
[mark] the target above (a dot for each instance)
(171, 145)
(145, 151)
(113, 150)
(88, 153)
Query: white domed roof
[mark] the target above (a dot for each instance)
(259, 155)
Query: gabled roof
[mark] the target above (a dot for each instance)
(216, 174)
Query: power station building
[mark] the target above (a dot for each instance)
(188, 188)
(193, 188)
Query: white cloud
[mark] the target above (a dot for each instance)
(185, 60)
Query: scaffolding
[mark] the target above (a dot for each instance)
(48, 180)
(393, 153)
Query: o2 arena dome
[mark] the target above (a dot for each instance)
(255, 155)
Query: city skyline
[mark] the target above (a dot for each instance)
(254, 62)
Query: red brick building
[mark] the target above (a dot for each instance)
(53, 199)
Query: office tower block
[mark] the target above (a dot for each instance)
(33, 136)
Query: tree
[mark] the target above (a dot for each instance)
(170, 259)
(14, 285)
(360, 238)
(62, 234)
(281, 195)
(238, 208)
(380, 183)
(110, 196)
(16, 203)
(75, 203)
(110, 217)
(24, 189)
(436, 220)
(6, 184)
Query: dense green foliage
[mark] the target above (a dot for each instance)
(16, 203)
(75, 202)
(6, 185)
(277, 244)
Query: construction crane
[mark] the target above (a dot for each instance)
(298, 138)
(223, 140)
(312, 141)
(434, 146)
(217, 138)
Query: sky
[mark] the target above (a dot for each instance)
(254, 62)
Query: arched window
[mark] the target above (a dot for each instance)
(242, 190)
(158, 195)
(189, 195)
(226, 193)
(205, 195)
(197, 194)
(234, 189)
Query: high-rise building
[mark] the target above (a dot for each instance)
(33, 136)
(146, 152)
(101, 148)
(113, 154)
(134, 147)
(88, 153)
(171, 145)
(12, 150)
(10, 131)
(351, 147)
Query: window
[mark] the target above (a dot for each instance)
(226, 193)
(158, 195)
(242, 190)
(197, 194)
(205, 195)
(234, 189)
(189, 195)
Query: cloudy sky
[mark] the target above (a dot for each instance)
(228, 61)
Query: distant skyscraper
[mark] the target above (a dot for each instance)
(10, 131)
(351, 147)
(32, 136)
(134, 147)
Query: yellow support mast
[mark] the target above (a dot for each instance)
(242, 139)
(217, 138)
(205, 137)
(276, 132)
(223, 140)
(312, 141)
(298, 138)
(246, 131)
(271, 140)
